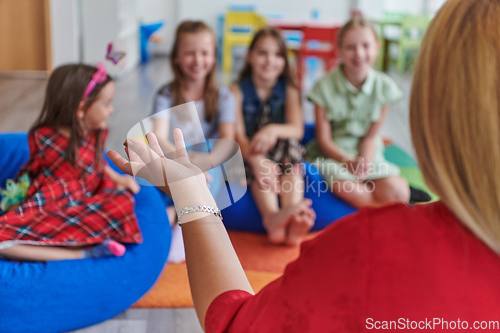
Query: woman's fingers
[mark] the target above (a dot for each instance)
(120, 162)
(180, 146)
(153, 143)
(141, 150)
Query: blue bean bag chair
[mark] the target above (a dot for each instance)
(243, 215)
(61, 296)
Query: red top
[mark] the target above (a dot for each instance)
(66, 204)
(415, 266)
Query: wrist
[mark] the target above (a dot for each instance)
(347, 158)
(190, 192)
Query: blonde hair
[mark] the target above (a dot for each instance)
(355, 22)
(454, 113)
(211, 94)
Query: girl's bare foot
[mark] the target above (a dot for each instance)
(300, 224)
(277, 223)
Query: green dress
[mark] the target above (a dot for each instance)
(351, 112)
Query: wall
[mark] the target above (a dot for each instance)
(294, 9)
(155, 10)
(65, 32)
(376, 8)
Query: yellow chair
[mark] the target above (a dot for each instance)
(239, 28)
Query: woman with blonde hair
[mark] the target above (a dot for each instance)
(433, 266)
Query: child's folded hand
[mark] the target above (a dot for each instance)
(358, 167)
(127, 183)
(263, 140)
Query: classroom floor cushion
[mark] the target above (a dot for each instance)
(61, 296)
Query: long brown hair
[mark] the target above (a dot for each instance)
(455, 113)
(211, 94)
(287, 74)
(63, 95)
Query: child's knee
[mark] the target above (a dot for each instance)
(394, 191)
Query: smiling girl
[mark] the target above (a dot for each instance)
(351, 105)
(193, 63)
(269, 127)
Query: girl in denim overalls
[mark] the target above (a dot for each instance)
(269, 126)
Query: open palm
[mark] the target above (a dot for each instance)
(148, 162)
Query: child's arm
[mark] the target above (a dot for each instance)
(324, 136)
(240, 132)
(122, 181)
(293, 128)
(160, 129)
(367, 145)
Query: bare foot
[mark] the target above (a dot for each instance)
(277, 223)
(300, 224)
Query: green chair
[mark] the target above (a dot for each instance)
(389, 19)
(413, 29)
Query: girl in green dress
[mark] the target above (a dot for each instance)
(351, 104)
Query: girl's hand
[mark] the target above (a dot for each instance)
(149, 163)
(358, 167)
(127, 183)
(264, 140)
(266, 173)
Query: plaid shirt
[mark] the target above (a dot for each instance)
(68, 205)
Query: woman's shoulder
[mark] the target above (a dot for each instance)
(394, 221)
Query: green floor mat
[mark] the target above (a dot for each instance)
(409, 168)
(399, 157)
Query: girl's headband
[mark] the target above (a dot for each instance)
(98, 77)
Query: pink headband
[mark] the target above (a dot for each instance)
(98, 77)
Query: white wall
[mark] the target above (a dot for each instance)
(208, 10)
(434, 5)
(376, 8)
(414, 7)
(64, 31)
(174, 11)
(155, 10)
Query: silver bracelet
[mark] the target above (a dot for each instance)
(191, 209)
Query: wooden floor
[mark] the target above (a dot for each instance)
(21, 101)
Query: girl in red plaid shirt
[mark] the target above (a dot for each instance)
(76, 206)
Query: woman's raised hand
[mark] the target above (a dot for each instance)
(149, 162)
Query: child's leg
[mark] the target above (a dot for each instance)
(358, 194)
(292, 194)
(267, 203)
(375, 193)
(25, 252)
(390, 190)
(41, 253)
